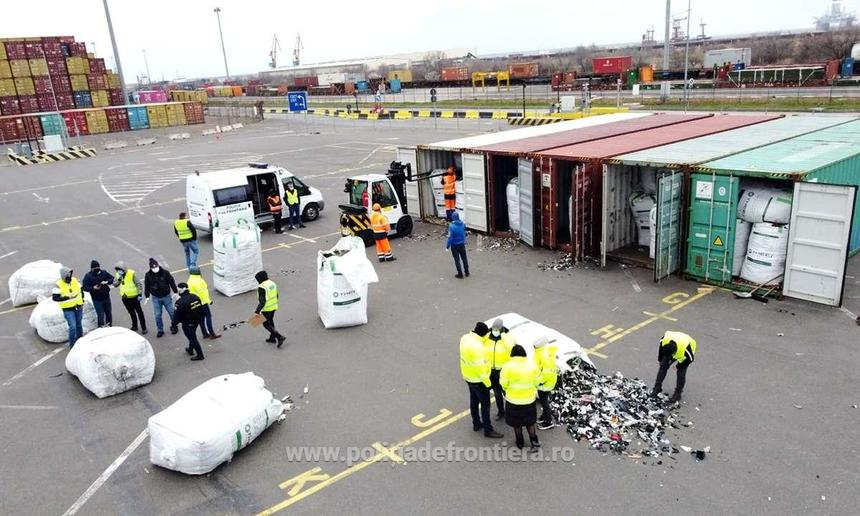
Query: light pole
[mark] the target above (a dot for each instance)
(687, 60)
(221, 34)
(664, 85)
(115, 51)
(146, 62)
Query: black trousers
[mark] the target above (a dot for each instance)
(190, 331)
(497, 390)
(479, 405)
(269, 324)
(546, 412)
(459, 253)
(135, 311)
(665, 363)
(277, 216)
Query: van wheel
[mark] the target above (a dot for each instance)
(404, 226)
(312, 212)
(367, 237)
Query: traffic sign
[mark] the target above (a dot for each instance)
(298, 100)
(432, 91)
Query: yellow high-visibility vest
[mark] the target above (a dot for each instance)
(545, 358)
(72, 291)
(292, 197)
(182, 229)
(519, 379)
(685, 349)
(197, 286)
(271, 296)
(474, 366)
(128, 287)
(499, 351)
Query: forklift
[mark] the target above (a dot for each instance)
(388, 191)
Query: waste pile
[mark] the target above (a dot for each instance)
(503, 244)
(614, 414)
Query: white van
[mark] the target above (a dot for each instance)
(224, 197)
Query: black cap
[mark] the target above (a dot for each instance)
(182, 285)
(481, 329)
(94, 264)
(153, 262)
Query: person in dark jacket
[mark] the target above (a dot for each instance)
(97, 282)
(159, 283)
(188, 315)
(267, 305)
(457, 244)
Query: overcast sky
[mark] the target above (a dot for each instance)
(181, 36)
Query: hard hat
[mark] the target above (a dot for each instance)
(377, 207)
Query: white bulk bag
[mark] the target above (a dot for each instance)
(765, 204)
(32, 280)
(652, 228)
(512, 192)
(766, 252)
(48, 321)
(238, 257)
(436, 183)
(210, 423)
(343, 273)
(109, 361)
(742, 237)
(641, 204)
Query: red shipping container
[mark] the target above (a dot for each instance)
(613, 65)
(117, 119)
(97, 66)
(32, 128)
(9, 106)
(65, 101)
(523, 70)
(33, 49)
(61, 84)
(57, 66)
(28, 103)
(116, 97)
(43, 85)
(456, 73)
(46, 102)
(76, 123)
(52, 49)
(309, 81)
(15, 50)
(78, 49)
(97, 81)
(66, 39)
(193, 113)
(8, 129)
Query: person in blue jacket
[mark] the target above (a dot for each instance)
(457, 244)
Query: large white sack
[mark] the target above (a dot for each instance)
(512, 192)
(766, 252)
(210, 423)
(652, 228)
(238, 257)
(765, 204)
(641, 204)
(742, 237)
(109, 361)
(32, 280)
(436, 185)
(48, 321)
(343, 273)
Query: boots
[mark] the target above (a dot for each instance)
(535, 442)
(521, 441)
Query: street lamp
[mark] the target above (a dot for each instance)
(221, 34)
(115, 51)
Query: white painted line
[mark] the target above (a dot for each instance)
(29, 407)
(106, 474)
(848, 312)
(32, 366)
(5, 301)
(633, 281)
(8, 254)
(369, 155)
(133, 247)
(303, 239)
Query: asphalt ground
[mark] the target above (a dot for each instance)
(773, 390)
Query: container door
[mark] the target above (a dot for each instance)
(605, 218)
(667, 251)
(413, 203)
(527, 222)
(710, 241)
(475, 189)
(818, 242)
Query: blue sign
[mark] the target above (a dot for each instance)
(298, 100)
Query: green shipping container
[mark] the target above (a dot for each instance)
(52, 124)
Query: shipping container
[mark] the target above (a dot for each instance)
(8, 129)
(5, 71)
(38, 66)
(237, 91)
(138, 118)
(25, 86)
(117, 97)
(52, 124)
(33, 49)
(646, 74)
(57, 66)
(117, 119)
(404, 76)
(175, 114)
(112, 80)
(28, 103)
(7, 88)
(65, 101)
(819, 173)
(831, 70)
(15, 50)
(76, 122)
(3, 55)
(52, 47)
(455, 73)
(157, 115)
(42, 85)
(152, 96)
(97, 66)
(611, 65)
(32, 128)
(847, 67)
(46, 102)
(720, 57)
(349, 88)
(524, 70)
(193, 113)
(100, 98)
(77, 65)
(78, 49)
(20, 68)
(97, 121)
(83, 99)
(61, 84)
(326, 79)
(307, 81)
(96, 81)
(9, 106)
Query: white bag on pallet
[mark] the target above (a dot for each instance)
(765, 204)
(765, 259)
(641, 204)
(210, 423)
(50, 324)
(343, 273)
(652, 228)
(742, 238)
(238, 257)
(109, 361)
(512, 192)
(32, 280)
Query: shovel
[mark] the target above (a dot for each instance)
(745, 295)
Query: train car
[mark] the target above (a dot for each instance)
(615, 65)
(524, 70)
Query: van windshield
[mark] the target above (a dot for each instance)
(232, 195)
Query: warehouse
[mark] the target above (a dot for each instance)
(801, 235)
(650, 166)
(422, 202)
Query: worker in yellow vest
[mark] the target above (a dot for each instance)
(70, 297)
(520, 379)
(498, 343)
(381, 227)
(187, 234)
(267, 305)
(475, 369)
(675, 346)
(197, 286)
(545, 360)
(130, 291)
(294, 203)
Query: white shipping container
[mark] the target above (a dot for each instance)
(727, 55)
(326, 79)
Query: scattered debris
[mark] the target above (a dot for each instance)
(823, 498)
(230, 326)
(61, 374)
(853, 406)
(735, 329)
(699, 454)
(287, 272)
(503, 244)
(798, 406)
(564, 263)
(780, 334)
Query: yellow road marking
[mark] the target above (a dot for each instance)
(418, 420)
(660, 316)
(325, 480)
(673, 299)
(388, 452)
